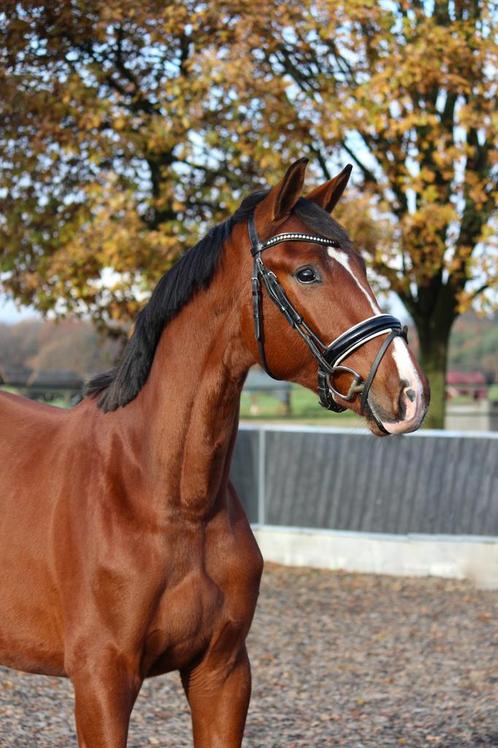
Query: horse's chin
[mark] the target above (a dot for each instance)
(381, 423)
(391, 428)
(375, 428)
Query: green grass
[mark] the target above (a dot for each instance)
(304, 408)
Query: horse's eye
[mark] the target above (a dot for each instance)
(307, 275)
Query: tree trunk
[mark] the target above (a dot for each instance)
(434, 360)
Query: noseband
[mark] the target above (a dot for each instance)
(329, 357)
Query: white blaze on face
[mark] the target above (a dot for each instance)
(408, 373)
(406, 370)
(405, 366)
(342, 258)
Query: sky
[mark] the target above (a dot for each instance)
(10, 313)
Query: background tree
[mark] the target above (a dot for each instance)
(54, 346)
(408, 91)
(127, 127)
(120, 140)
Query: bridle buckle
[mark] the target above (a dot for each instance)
(356, 386)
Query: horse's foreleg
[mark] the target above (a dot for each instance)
(218, 694)
(105, 691)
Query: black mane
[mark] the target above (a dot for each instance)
(192, 272)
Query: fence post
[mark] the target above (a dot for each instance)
(261, 476)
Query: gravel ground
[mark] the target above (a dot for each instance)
(338, 660)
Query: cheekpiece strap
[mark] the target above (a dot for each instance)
(256, 245)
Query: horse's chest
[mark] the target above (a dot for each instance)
(194, 608)
(182, 623)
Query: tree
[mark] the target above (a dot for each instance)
(127, 127)
(408, 91)
(119, 143)
(51, 346)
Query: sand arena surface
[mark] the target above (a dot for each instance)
(338, 660)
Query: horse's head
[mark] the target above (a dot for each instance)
(316, 317)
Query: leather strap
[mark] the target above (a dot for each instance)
(376, 363)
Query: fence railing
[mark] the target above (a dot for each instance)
(431, 482)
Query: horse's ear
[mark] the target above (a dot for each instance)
(328, 194)
(281, 199)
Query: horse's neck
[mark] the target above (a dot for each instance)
(190, 402)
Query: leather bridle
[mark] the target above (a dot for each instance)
(329, 357)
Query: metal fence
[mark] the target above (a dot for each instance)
(345, 479)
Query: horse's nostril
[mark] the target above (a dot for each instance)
(410, 395)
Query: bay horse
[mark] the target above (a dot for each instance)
(125, 552)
